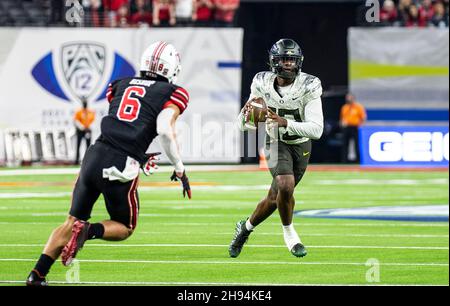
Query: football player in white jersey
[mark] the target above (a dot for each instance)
(295, 117)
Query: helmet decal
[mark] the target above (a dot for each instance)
(156, 55)
(161, 59)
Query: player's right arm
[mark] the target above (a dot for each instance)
(254, 93)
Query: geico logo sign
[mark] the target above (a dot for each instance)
(408, 146)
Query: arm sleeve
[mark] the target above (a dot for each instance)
(312, 127)
(240, 122)
(253, 94)
(167, 138)
(180, 98)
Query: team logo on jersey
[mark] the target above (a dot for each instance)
(80, 70)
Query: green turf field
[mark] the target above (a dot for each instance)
(185, 242)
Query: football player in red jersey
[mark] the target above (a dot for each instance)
(140, 109)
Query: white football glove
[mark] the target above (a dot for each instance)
(150, 166)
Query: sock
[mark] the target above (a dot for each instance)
(249, 226)
(291, 237)
(43, 264)
(96, 231)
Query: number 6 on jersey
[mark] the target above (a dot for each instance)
(129, 107)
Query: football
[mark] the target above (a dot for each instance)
(256, 114)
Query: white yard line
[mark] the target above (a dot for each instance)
(48, 171)
(248, 246)
(309, 234)
(437, 181)
(65, 171)
(26, 195)
(300, 224)
(150, 215)
(270, 234)
(207, 284)
(216, 188)
(234, 262)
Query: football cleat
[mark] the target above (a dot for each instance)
(79, 236)
(36, 280)
(299, 250)
(240, 237)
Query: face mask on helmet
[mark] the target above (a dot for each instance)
(286, 58)
(286, 66)
(161, 60)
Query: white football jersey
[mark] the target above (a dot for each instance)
(296, 105)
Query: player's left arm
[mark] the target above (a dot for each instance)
(165, 125)
(312, 125)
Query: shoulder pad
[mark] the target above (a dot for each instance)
(260, 80)
(313, 87)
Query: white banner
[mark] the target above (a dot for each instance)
(400, 68)
(45, 72)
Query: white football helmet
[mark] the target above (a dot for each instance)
(161, 59)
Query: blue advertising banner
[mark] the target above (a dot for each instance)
(424, 146)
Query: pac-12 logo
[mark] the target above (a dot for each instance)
(80, 70)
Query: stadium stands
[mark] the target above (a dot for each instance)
(105, 13)
(24, 13)
(409, 13)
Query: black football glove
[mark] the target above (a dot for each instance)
(184, 182)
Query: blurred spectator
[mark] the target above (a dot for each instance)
(413, 18)
(83, 120)
(183, 12)
(111, 8)
(164, 13)
(403, 11)
(414, 13)
(57, 11)
(352, 116)
(143, 13)
(388, 13)
(202, 12)
(426, 12)
(440, 17)
(93, 13)
(123, 16)
(114, 5)
(225, 11)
